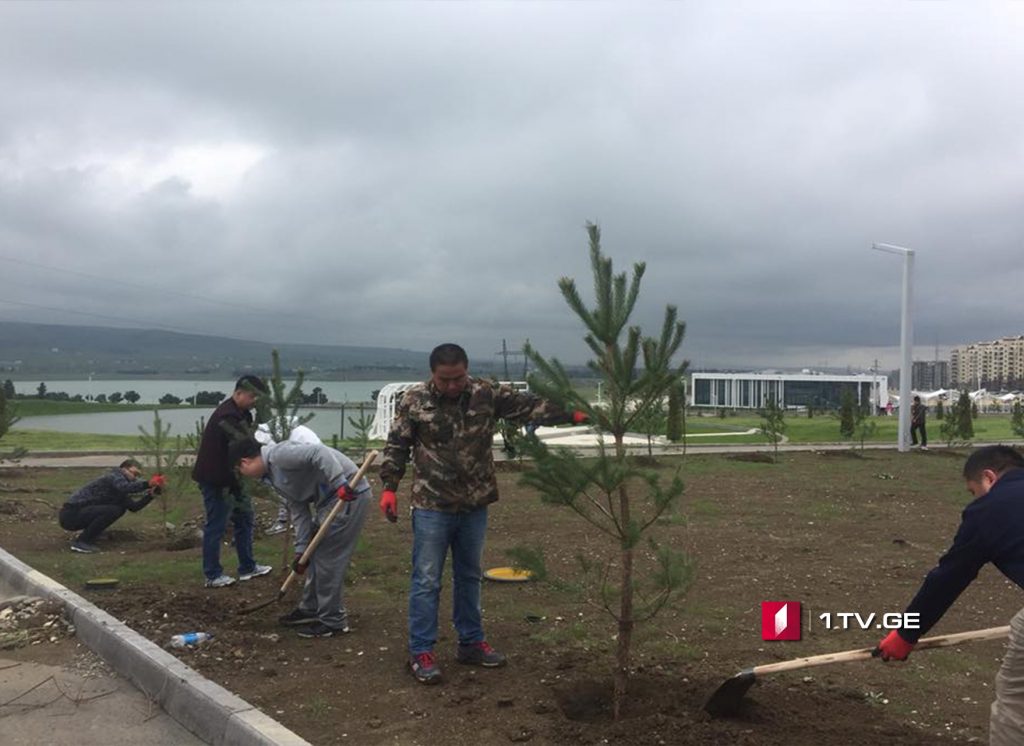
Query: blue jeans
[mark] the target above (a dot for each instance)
(433, 533)
(219, 504)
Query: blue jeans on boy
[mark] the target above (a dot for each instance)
(433, 533)
(219, 504)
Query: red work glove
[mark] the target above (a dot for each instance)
(894, 648)
(157, 480)
(578, 417)
(345, 493)
(298, 565)
(389, 505)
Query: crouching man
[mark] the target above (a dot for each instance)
(310, 477)
(97, 505)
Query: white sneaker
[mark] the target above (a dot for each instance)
(277, 528)
(222, 582)
(256, 572)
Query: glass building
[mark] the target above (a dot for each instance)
(820, 391)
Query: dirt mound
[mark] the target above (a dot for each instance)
(668, 709)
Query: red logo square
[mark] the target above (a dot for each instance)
(780, 620)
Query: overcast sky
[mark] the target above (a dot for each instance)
(401, 174)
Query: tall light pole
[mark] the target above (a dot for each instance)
(906, 339)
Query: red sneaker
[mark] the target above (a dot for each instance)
(480, 654)
(424, 667)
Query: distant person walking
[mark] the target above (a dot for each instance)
(222, 491)
(918, 411)
(96, 506)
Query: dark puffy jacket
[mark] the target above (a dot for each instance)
(113, 488)
(212, 465)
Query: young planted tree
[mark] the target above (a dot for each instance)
(615, 497)
(361, 439)
(940, 410)
(280, 410)
(1017, 419)
(865, 428)
(847, 414)
(958, 427)
(966, 412)
(773, 424)
(676, 413)
(651, 422)
(8, 418)
(162, 455)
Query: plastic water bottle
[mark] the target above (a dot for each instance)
(190, 638)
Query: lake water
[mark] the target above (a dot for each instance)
(325, 422)
(151, 390)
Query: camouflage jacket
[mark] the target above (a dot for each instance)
(450, 441)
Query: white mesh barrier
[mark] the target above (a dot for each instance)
(385, 413)
(388, 397)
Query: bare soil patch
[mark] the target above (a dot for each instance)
(829, 532)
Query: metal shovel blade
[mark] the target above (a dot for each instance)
(726, 699)
(261, 604)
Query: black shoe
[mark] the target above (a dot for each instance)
(480, 654)
(83, 547)
(319, 629)
(424, 667)
(296, 618)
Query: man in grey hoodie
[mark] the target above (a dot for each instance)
(310, 477)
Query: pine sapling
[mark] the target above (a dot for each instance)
(162, 455)
(611, 493)
(773, 424)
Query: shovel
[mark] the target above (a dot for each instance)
(726, 699)
(317, 538)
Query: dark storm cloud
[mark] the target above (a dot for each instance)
(396, 174)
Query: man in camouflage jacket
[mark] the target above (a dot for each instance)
(447, 425)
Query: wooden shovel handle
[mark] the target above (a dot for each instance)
(941, 641)
(322, 532)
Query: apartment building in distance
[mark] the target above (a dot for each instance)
(995, 365)
(929, 375)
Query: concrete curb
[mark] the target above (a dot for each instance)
(202, 707)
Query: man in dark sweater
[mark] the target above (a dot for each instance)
(94, 507)
(222, 491)
(991, 530)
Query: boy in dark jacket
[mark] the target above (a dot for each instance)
(97, 505)
(222, 492)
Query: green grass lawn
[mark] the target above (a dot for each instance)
(799, 429)
(825, 428)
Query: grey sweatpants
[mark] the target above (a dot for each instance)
(1006, 720)
(324, 592)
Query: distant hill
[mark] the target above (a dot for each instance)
(82, 350)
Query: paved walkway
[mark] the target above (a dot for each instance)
(76, 701)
